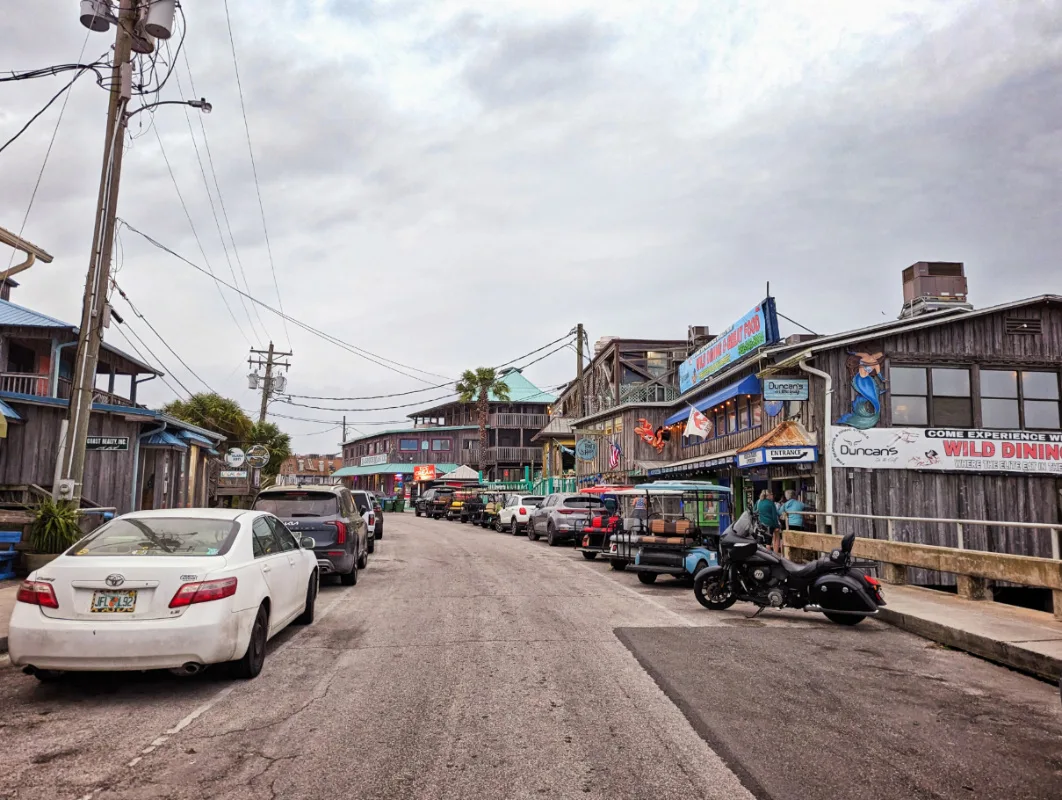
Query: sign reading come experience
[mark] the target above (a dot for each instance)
(947, 450)
(757, 328)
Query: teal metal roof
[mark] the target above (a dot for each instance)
(521, 390)
(196, 439)
(389, 469)
(412, 430)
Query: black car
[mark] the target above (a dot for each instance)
(329, 515)
(434, 502)
(377, 507)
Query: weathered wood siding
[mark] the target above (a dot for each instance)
(976, 342)
(28, 454)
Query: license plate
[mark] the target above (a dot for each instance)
(114, 601)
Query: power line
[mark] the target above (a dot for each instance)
(547, 355)
(568, 335)
(184, 363)
(47, 105)
(195, 233)
(375, 408)
(144, 358)
(217, 187)
(360, 352)
(254, 168)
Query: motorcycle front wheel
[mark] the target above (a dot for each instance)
(713, 592)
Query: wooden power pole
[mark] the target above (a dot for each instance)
(579, 369)
(269, 382)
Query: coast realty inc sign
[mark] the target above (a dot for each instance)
(947, 450)
(757, 328)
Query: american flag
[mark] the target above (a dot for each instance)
(614, 455)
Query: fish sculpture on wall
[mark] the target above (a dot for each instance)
(864, 370)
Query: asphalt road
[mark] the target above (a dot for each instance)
(467, 663)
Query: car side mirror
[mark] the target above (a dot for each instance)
(308, 543)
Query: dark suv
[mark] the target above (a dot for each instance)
(328, 514)
(435, 502)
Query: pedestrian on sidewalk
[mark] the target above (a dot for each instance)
(792, 509)
(767, 512)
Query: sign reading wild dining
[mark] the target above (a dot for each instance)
(948, 450)
(757, 328)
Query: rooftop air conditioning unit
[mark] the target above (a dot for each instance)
(930, 286)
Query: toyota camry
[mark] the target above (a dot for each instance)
(174, 589)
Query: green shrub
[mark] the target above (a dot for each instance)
(54, 528)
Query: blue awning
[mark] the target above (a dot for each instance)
(749, 385)
(9, 412)
(195, 438)
(164, 439)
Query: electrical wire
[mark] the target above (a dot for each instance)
(195, 233)
(421, 403)
(47, 105)
(254, 168)
(538, 350)
(166, 344)
(144, 358)
(547, 355)
(217, 187)
(360, 352)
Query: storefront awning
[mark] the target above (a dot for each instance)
(696, 464)
(748, 385)
(387, 469)
(787, 443)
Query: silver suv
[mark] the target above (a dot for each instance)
(561, 517)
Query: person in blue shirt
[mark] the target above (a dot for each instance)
(767, 512)
(792, 508)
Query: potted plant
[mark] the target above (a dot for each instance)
(54, 530)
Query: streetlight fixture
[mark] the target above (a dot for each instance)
(201, 104)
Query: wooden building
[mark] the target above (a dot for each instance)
(309, 469)
(137, 458)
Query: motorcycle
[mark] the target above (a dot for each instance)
(749, 572)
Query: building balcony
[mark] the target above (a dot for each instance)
(37, 385)
(525, 421)
(505, 455)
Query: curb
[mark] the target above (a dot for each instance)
(1009, 654)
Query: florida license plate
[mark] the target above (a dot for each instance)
(114, 601)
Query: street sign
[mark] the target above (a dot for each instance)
(232, 474)
(235, 457)
(107, 443)
(257, 456)
(586, 450)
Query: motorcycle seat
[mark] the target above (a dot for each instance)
(802, 571)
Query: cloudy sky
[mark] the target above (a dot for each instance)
(449, 183)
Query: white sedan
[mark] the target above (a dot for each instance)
(170, 589)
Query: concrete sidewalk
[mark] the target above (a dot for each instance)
(8, 589)
(1030, 641)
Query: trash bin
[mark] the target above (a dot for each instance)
(400, 504)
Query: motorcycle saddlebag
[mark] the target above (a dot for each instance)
(841, 593)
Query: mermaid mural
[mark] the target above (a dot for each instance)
(868, 385)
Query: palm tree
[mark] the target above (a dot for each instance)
(476, 386)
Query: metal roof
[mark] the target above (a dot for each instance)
(14, 315)
(389, 469)
(425, 429)
(164, 439)
(521, 390)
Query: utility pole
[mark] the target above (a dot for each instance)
(344, 429)
(270, 384)
(579, 368)
(94, 314)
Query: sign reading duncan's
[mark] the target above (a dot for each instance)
(757, 328)
(947, 450)
(785, 389)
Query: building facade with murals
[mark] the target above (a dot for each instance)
(946, 412)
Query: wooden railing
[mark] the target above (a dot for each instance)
(972, 568)
(109, 398)
(527, 421)
(505, 455)
(24, 383)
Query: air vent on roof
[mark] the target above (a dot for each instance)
(1026, 327)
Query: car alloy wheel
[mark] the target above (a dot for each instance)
(515, 528)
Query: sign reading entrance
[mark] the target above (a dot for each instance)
(107, 443)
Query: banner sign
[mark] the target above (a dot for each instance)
(371, 461)
(754, 330)
(777, 455)
(424, 472)
(233, 474)
(785, 389)
(107, 443)
(940, 449)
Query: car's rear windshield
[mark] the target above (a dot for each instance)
(584, 502)
(532, 501)
(159, 536)
(298, 504)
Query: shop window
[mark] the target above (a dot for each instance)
(408, 445)
(440, 445)
(719, 423)
(937, 396)
(731, 417)
(1019, 400)
(617, 425)
(744, 419)
(757, 413)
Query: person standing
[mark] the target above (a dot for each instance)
(767, 512)
(793, 508)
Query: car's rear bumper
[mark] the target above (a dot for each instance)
(334, 565)
(202, 635)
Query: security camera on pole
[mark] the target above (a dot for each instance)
(137, 20)
(271, 384)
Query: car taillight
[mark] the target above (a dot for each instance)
(203, 592)
(522, 511)
(586, 541)
(37, 593)
(372, 520)
(341, 531)
(566, 511)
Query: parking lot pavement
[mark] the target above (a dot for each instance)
(465, 663)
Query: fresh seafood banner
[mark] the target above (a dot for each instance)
(754, 330)
(948, 450)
